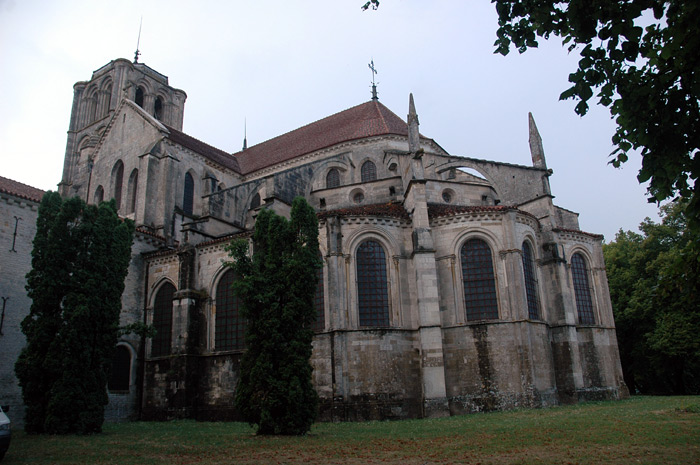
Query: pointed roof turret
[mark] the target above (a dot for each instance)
(536, 148)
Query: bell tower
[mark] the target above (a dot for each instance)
(94, 104)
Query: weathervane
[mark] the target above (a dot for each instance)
(374, 85)
(138, 41)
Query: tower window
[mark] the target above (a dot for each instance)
(139, 97)
(158, 108)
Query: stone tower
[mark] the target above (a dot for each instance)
(95, 102)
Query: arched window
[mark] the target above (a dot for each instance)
(158, 108)
(319, 298)
(479, 283)
(255, 202)
(229, 326)
(107, 99)
(372, 284)
(332, 178)
(117, 181)
(92, 107)
(163, 320)
(188, 196)
(131, 194)
(582, 290)
(368, 171)
(138, 99)
(120, 374)
(533, 302)
(99, 195)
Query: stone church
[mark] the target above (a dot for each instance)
(450, 284)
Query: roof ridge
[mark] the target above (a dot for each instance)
(20, 189)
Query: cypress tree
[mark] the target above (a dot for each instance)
(276, 288)
(79, 262)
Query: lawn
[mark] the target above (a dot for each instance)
(641, 430)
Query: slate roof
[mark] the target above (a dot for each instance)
(365, 120)
(8, 186)
(196, 145)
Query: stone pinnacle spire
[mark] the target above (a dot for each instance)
(413, 134)
(536, 148)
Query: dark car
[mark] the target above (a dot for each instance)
(5, 432)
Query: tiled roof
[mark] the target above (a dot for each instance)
(393, 210)
(577, 231)
(196, 145)
(438, 210)
(365, 120)
(8, 186)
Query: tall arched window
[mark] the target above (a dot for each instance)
(158, 108)
(333, 178)
(533, 301)
(99, 195)
(188, 196)
(319, 301)
(582, 290)
(132, 191)
(117, 181)
(138, 98)
(372, 284)
(368, 171)
(480, 297)
(107, 99)
(163, 321)
(120, 374)
(229, 325)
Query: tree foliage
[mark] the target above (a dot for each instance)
(641, 57)
(79, 262)
(654, 280)
(276, 288)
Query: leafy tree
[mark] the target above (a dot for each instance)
(79, 262)
(654, 280)
(276, 289)
(641, 57)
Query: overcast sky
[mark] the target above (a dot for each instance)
(279, 65)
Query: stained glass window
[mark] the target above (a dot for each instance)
(533, 303)
(368, 171)
(163, 320)
(582, 290)
(229, 326)
(333, 178)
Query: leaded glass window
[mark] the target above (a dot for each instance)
(582, 290)
(533, 303)
(372, 284)
(368, 171)
(229, 325)
(319, 302)
(163, 320)
(333, 178)
(480, 297)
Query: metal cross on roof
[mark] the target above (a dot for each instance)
(374, 85)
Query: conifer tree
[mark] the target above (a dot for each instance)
(276, 289)
(79, 262)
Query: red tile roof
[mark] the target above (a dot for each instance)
(393, 210)
(196, 145)
(438, 210)
(365, 120)
(8, 186)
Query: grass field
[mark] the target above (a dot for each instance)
(641, 430)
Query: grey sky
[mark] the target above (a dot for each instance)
(282, 64)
